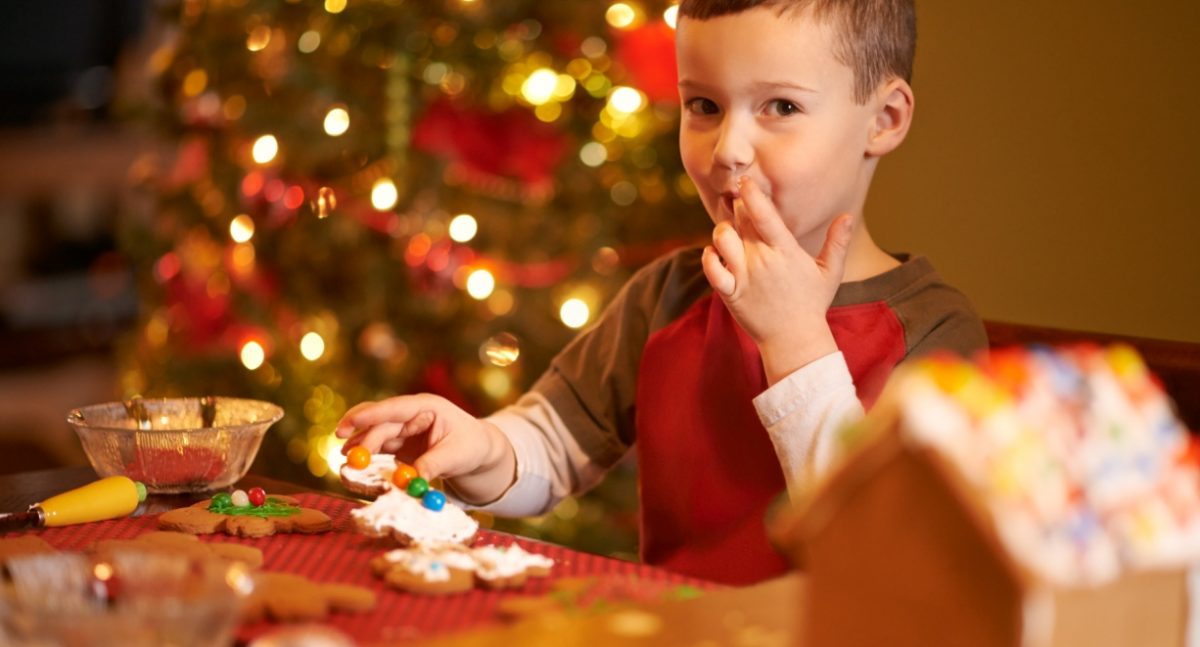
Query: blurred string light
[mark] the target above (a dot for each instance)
(265, 149)
(252, 355)
(326, 202)
(259, 38)
(308, 42)
(337, 121)
(335, 6)
(671, 15)
(625, 100)
(574, 313)
(593, 154)
(480, 284)
(195, 82)
(539, 87)
(384, 194)
(463, 228)
(312, 346)
(621, 15)
(500, 350)
(241, 228)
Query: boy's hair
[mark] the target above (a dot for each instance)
(877, 39)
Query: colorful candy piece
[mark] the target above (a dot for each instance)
(418, 487)
(257, 496)
(239, 498)
(403, 475)
(434, 500)
(221, 500)
(358, 457)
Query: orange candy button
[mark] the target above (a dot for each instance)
(404, 474)
(358, 457)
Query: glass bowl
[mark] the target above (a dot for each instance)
(174, 445)
(132, 599)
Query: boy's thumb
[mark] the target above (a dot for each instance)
(837, 242)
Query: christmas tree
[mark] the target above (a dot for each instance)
(386, 196)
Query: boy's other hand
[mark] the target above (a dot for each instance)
(438, 438)
(776, 291)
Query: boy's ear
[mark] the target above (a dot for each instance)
(893, 116)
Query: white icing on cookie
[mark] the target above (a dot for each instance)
(376, 475)
(398, 514)
(496, 562)
(431, 565)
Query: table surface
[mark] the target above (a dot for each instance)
(765, 614)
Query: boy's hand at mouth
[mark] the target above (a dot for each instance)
(776, 291)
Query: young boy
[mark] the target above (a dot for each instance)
(732, 366)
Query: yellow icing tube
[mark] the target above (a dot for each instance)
(108, 498)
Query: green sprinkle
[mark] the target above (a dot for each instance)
(271, 508)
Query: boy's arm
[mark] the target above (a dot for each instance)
(803, 413)
(550, 462)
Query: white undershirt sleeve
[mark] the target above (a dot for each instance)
(550, 462)
(803, 413)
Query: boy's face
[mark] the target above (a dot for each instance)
(763, 96)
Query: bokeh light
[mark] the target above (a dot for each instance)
(337, 121)
(241, 228)
(574, 313)
(312, 346)
(480, 284)
(265, 149)
(463, 228)
(384, 194)
(252, 355)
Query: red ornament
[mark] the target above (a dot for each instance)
(491, 146)
(257, 496)
(648, 54)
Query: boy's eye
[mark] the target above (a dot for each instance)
(701, 106)
(782, 108)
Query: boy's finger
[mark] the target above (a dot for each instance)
(721, 280)
(401, 408)
(761, 214)
(837, 242)
(730, 247)
(345, 426)
(373, 437)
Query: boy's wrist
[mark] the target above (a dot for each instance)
(495, 474)
(783, 357)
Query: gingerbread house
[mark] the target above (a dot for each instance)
(1035, 498)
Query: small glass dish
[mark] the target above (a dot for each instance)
(174, 445)
(133, 599)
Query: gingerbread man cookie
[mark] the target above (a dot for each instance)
(287, 597)
(244, 514)
(411, 519)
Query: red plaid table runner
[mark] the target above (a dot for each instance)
(342, 555)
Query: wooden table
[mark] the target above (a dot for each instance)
(765, 614)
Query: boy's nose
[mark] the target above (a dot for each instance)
(734, 149)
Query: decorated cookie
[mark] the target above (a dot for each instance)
(448, 569)
(288, 597)
(367, 474)
(415, 515)
(451, 568)
(237, 516)
(183, 544)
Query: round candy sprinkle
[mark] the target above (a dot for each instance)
(358, 457)
(239, 498)
(418, 486)
(403, 475)
(257, 496)
(434, 500)
(221, 500)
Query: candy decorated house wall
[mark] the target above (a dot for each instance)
(1036, 498)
